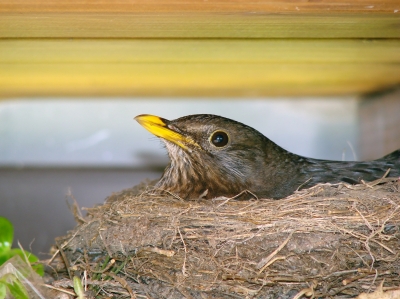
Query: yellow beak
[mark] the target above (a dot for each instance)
(159, 127)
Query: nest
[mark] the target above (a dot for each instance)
(334, 241)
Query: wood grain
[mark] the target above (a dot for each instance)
(198, 48)
(197, 25)
(222, 6)
(197, 67)
(200, 19)
(199, 51)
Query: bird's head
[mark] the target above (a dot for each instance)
(209, 154)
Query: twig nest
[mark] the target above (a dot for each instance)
(330, 240)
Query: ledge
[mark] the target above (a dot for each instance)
(198, 48)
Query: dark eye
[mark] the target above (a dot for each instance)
(219, 139)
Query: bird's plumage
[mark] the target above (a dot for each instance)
(214, 156)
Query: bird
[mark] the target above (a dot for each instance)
(212, 156)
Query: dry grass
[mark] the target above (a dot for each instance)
(330, 241)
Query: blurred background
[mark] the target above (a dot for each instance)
(88, 148)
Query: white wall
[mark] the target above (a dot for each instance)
(102, 132)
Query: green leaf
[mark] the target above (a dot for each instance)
(6, 235)
(6, 238)
(17, 289)
(38, 268)
(14, 286)
(3, 290)
(78, 287)
(4, 258)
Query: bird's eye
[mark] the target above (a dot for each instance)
(219, 139)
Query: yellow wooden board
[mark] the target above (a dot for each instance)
(204, 48)
(199, 50)
(96, 67)
(198, 25)
(199, 19)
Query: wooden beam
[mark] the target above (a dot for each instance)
(199, 50)
(197, 67)
(197, 25)
(199, 19)
(182, 47)
(231, 6)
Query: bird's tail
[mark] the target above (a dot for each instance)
(393, 157)
(393, 161)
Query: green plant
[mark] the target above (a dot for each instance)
(10, 279)
(14, 285)
(6, 252)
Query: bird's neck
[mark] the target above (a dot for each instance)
(279, 170)
(197, 176)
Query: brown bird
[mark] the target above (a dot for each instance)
(213, 156)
